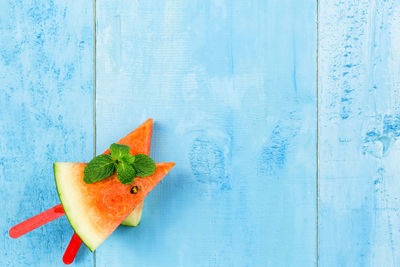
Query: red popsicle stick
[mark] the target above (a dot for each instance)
(36, 221)
(72, 249)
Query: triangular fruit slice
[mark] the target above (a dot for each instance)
(95, 210)
(139, 140)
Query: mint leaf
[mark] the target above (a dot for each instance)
(98, 168)
(126, 173)
(144, 165)
(117, 151)
(128, 158)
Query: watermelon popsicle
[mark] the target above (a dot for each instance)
(139, 140)
(70, 175)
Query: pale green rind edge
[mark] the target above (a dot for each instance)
(59, 195)
(134, 217)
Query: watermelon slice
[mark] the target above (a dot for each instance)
(95, 210)
(139, 140)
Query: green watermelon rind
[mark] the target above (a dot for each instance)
(66, 208)
(134, 217)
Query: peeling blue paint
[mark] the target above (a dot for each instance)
(207, 161)
(385, 133)
(358, 135)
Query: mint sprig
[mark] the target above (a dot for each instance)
(126, 165)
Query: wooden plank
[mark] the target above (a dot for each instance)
(359, 100)
(232, 89)
(46, 99)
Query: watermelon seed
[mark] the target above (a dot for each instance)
(134, 189)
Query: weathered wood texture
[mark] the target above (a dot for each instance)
(232, 88)
(359, 107)
(46, 115)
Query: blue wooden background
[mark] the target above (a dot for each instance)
(282, 116)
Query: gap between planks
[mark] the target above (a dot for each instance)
(94, 94)
(317, 141)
